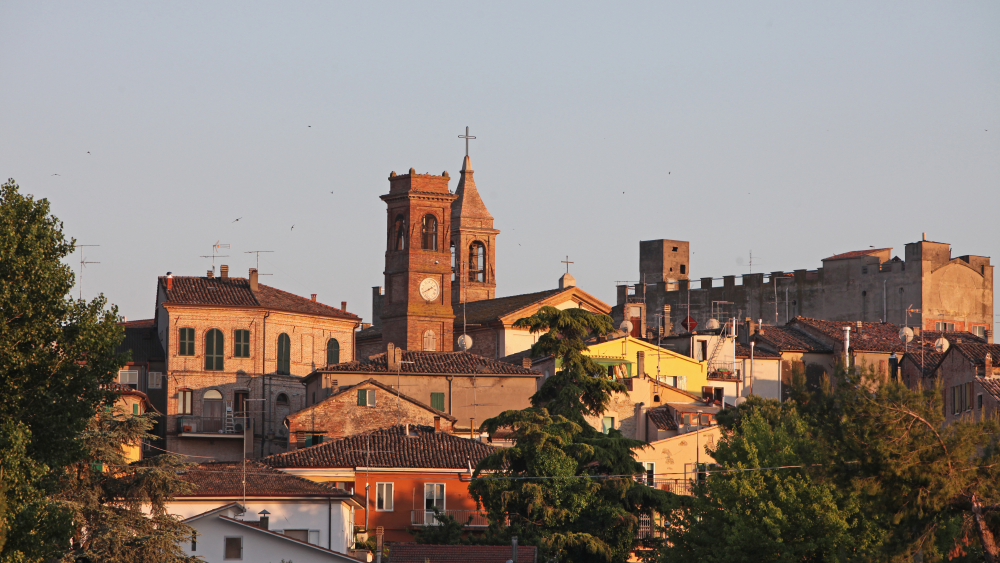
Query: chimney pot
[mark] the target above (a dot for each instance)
(170, 280)
(253, 279)
(314, 297)
(343, 305)
(925, 236)
(988, 367)
(437, 423)
(224, 271)
(210, 274)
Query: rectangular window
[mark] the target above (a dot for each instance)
(434, 496)
(383, 497)
(240, 402)
(437, 401)
(135, 408)
(702, 350)
(650, 473)
(968, 396)
(313, 439)
(366, 397)
(186, 342)
(607, 423)
(194, 543)
(301, 535)
(184, 401)
(687, 419)
(234, 548)
(128, 377)
(979, 401)
(154, 380)
(241, 344)
(979, 331)
(944, 326)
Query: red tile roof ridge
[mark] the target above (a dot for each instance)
(458, 363)
(387, 389)
(289, 538)
(225, 478)
(140, 323)
(855, 254)
(236, 292)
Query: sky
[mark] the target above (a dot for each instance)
(792, 130)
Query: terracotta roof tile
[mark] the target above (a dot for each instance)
(422, 553)
(225, 479)
(141, 339)
(480, 312)
(856, 253)
(459, 363)
(236, 292)
(991, 385)
(663, 418)
(874, 337)
(389, 447)
(976, 351)
(785, 338)
(743, 351)
(304, 413)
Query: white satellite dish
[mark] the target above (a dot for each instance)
(906, 334)
(941, 345)
(712, 324)
(465, 342)
(626, 327)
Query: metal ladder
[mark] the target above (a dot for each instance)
(229, 427)
(718, 345)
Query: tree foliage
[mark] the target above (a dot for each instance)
(564, 486)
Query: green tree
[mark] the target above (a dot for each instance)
(447, 531)
(564, 486)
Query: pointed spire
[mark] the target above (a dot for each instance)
(468, 205)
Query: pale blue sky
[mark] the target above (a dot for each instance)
(795, 129)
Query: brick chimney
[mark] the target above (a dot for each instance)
(988, 368)
(224, 271)
(343, 306)
(313, 297)
(390, 357)
(253, 279)
(210, 274)
(170, 280)
(526, 363)
(437, 423)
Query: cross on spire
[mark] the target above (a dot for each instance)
(567, 262)
(466, 137)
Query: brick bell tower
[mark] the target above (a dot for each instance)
(417, 312)
(473, 241)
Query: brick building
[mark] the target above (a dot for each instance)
(335, 411)
(385, 466)
(144, 372)
(927, 288)
(969, 379)
(236, 351)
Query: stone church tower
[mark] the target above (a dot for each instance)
(472, 243)
(417, 312)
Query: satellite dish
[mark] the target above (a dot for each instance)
(906, 334)
(712, 324)
(465, 342)
(626, 327)
(941, 345)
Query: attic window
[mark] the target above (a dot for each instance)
(656, 398)
(366, 397)
(675, 249)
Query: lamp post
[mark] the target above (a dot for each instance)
(697, 451)
(751, 366)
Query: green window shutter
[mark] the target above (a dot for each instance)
(332, 351)
(309, 440)
(135, 408)
(362, 398)
(437, 401)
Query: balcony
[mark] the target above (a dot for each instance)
(426, 518)
(189, 426)
(676, 486)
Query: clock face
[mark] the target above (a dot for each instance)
(429, 289)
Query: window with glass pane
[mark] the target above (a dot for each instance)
(128, 377)
(477, 262)
(332, 351)
(437, 401)
(186, 342)
(184, 401)
(241, 344)
(383, 496)
(234, 548)
(650, 473)
(399, 233)
(434, 496)
(214, 349)
(429, 233)
(284, 354)
(211, 411)
(607, 423)
(454, 262)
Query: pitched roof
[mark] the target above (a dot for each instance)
(480, 312)
(976, 352)
(991, 385)
(468, 204)
(856, 253)
(874, 337)
(225, 479)
(743, 351)
(236, 292)
(786, 338)
(423, 553)
(347, 389)
(389, 447)
(336, 556)
(662, 418)
(141, 339)
(458, 363)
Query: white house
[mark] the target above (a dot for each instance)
(222, 536)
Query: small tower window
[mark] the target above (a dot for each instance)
(477, 262)
(454, 262)
(332, 351)
(429, 232)
(683, 269)
(430, 341)
(399, 233)
(284, 354)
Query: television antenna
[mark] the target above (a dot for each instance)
(215, 253)
(257, 253)
(83, 264)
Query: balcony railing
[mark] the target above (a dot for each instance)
(426, 518)
(188, 424)
(676, 486)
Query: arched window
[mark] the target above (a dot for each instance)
(211, 411)
(284, 354)
(399, 233)
(282, 400)
(332, 351)
(430, 341)
(214, 348)
(454, 262)
(429, 232)
(477, 262)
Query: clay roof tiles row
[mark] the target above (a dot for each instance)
(991, 385)
(458, 363)
(394, 447)
(785, 338)
(662, 418)
(225, 478)
(236, 292)
(422, 553)
(856, 254)
(873, 337)
(487, 310)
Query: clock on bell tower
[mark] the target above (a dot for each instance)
(417, 312)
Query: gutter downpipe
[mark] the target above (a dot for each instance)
(263, 384)
(450, 378)
(329, 524)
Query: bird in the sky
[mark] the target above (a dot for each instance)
(293, 228)
(310, 126)
(88, 152)
(237, 219)
(55, 174)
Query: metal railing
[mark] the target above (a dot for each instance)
(475, 518)
(676, 486)
(189, 424)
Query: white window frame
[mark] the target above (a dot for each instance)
(132, 374)
(380, 491)
(224, 539)
(444, 496)
(649, 476)
(370, 397)
(604, 430)
(154, 380)
(313, 537)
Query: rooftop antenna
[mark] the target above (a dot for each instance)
(215, 253)
(83, 264)
(257, 254)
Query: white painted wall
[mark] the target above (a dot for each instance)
(766, 377)
(258, 547)
(294, 514)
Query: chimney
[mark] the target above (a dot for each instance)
(313, 297)
(437, 423)
(264, 520)
(988, 336)
(988, 368)
(224, 271)
(210, 274)
(513, 549)
(390, 357)
(170, 280)
(847, 346)
(748, 329)
(526, 363)
(925, 236)
(859, 326)
(343, 306)
(640, 363)
(253, 279)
